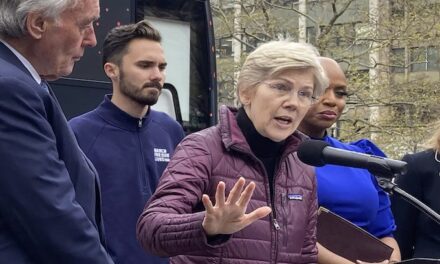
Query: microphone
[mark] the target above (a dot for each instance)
(319, 153)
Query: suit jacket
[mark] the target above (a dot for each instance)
(417, 234)
(49, 193)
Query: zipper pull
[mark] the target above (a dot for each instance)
(140, 123)
(276, 225)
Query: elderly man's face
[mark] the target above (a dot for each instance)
(63, 41)
(277, 105)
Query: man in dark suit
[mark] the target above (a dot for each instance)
(49, 191)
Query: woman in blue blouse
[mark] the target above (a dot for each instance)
(349, 192)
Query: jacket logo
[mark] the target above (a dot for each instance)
(296, 197)
(161, 155)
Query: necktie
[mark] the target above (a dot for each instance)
(44, 85)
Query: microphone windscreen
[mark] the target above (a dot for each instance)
(310, 152)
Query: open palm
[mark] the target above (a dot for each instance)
(229, 216)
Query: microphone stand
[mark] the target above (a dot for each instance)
(392, 188)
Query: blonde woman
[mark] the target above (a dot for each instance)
(419, 236)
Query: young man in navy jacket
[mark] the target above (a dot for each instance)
(129, 143)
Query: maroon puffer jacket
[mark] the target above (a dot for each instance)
(171, 224)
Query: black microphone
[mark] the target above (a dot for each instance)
(319, 153)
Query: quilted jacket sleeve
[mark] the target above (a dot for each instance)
(171, 223)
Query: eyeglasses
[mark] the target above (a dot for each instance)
(282, 88)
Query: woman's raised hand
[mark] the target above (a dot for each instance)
(228, 217)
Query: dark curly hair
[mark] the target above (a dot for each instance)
(117, 40)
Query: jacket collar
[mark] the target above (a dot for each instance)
(118, 118)
(24, 61)
(232, 136)
(9, 56)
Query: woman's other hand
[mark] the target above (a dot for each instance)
(363, 262)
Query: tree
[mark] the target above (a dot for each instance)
(388, 49)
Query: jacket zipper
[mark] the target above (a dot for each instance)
(143, 171)
(283, 207)
(271, 197)
(276, 225)
(275, 222)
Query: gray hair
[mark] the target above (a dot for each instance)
(13, 13)
(274, 57)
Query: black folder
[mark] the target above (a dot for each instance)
(420, 261)
(348, 240)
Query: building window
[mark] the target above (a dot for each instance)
(253, 41)
(397, 60)
(397, 8)
(424, 59)
(432, 55)
(285, 2)
(311, 34)
(224, 47)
